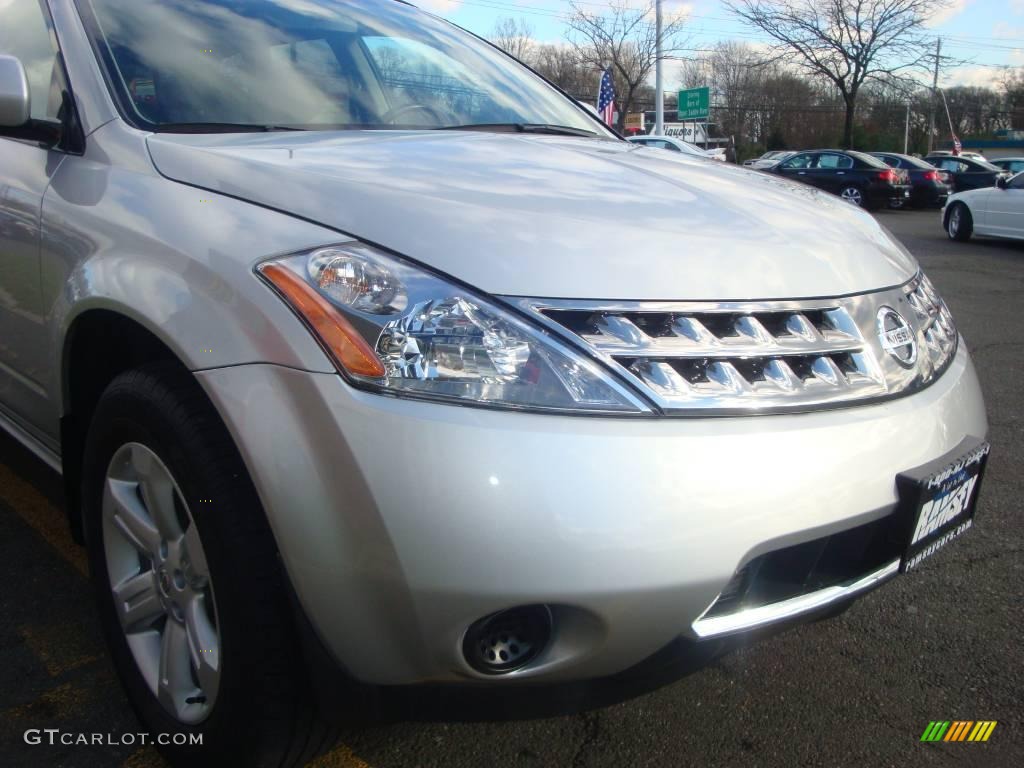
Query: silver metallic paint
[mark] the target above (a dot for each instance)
(559, 217)
(15, 99)
(636, 524)
(394, 545)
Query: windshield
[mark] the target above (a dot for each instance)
(917, 163)
(868, 160)
(329, 64)
(984, 165)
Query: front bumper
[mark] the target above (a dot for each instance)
(400, 522)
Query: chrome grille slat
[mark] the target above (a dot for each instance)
(763, 357)
(746, 336)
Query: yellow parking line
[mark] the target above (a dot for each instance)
(147, 757)
(51, 523)
(342, 757)
(62, 703)
(48, 521)
(58, 647)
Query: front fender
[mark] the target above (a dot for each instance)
(175, 259)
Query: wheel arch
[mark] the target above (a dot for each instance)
(99, 344)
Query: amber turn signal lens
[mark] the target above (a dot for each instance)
(349, 350)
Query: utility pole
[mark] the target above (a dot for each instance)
(935, 88)
(906, 131)
(659, 90)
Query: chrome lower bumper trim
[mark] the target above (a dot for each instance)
(764, 615)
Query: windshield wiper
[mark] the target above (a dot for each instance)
(553, 130)
(221, 128)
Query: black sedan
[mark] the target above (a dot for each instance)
(968, 172)
(928, 185)
(856, 177)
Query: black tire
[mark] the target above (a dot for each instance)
(853, 194)
(959, 223)
(263, 714)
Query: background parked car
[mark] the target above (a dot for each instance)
(1011, 164)
(928, 185)
(764, 162)
(946, 153)
(774, 156)
(672, 144)
(996, 211)
(856, 177)
(967, 173)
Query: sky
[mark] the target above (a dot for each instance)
(988, 33)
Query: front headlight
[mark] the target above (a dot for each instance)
(395, 328)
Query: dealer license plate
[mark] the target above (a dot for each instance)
(941, 497)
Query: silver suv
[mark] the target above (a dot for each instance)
(362, 347)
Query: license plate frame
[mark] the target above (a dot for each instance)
(939, 500)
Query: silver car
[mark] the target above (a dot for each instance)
(362, 348)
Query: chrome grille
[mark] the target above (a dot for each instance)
(764, 356)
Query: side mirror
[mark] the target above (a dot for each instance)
(15, 101)
(16, 107)
(1002, 182)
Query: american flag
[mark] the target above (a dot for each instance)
(606, 98)
(957, 146)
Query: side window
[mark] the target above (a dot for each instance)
(831, 162)
(672, 147)
(25, 34)
(892, 162)
(949, 165)
(1017, 182)
(798, 161)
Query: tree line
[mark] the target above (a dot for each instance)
(838, 72)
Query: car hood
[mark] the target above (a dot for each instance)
(546, 216)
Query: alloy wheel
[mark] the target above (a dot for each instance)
(161, 585)
(852, 195)
(954, 222)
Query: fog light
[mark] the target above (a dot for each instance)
(507, 640)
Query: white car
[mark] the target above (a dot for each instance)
(969, 155)
(673, 144)
(993, 211)
(1011, 164)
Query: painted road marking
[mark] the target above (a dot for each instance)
(58, 647)
(51, 523)
(48, 521)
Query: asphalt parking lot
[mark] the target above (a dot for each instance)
(858, 690)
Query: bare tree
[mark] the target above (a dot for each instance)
(561, 64)
(514, 37)
(1013, 91)
(847, 42)
(621, 36)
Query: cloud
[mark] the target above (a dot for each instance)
(1017, 6)
(1004, 29)
(969, 75)
(944, 14)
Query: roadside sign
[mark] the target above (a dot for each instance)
(635, 121)
(694, 104)
(691, 132)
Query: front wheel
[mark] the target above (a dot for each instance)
(191, 596)
(959, 223)
(852, 195)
